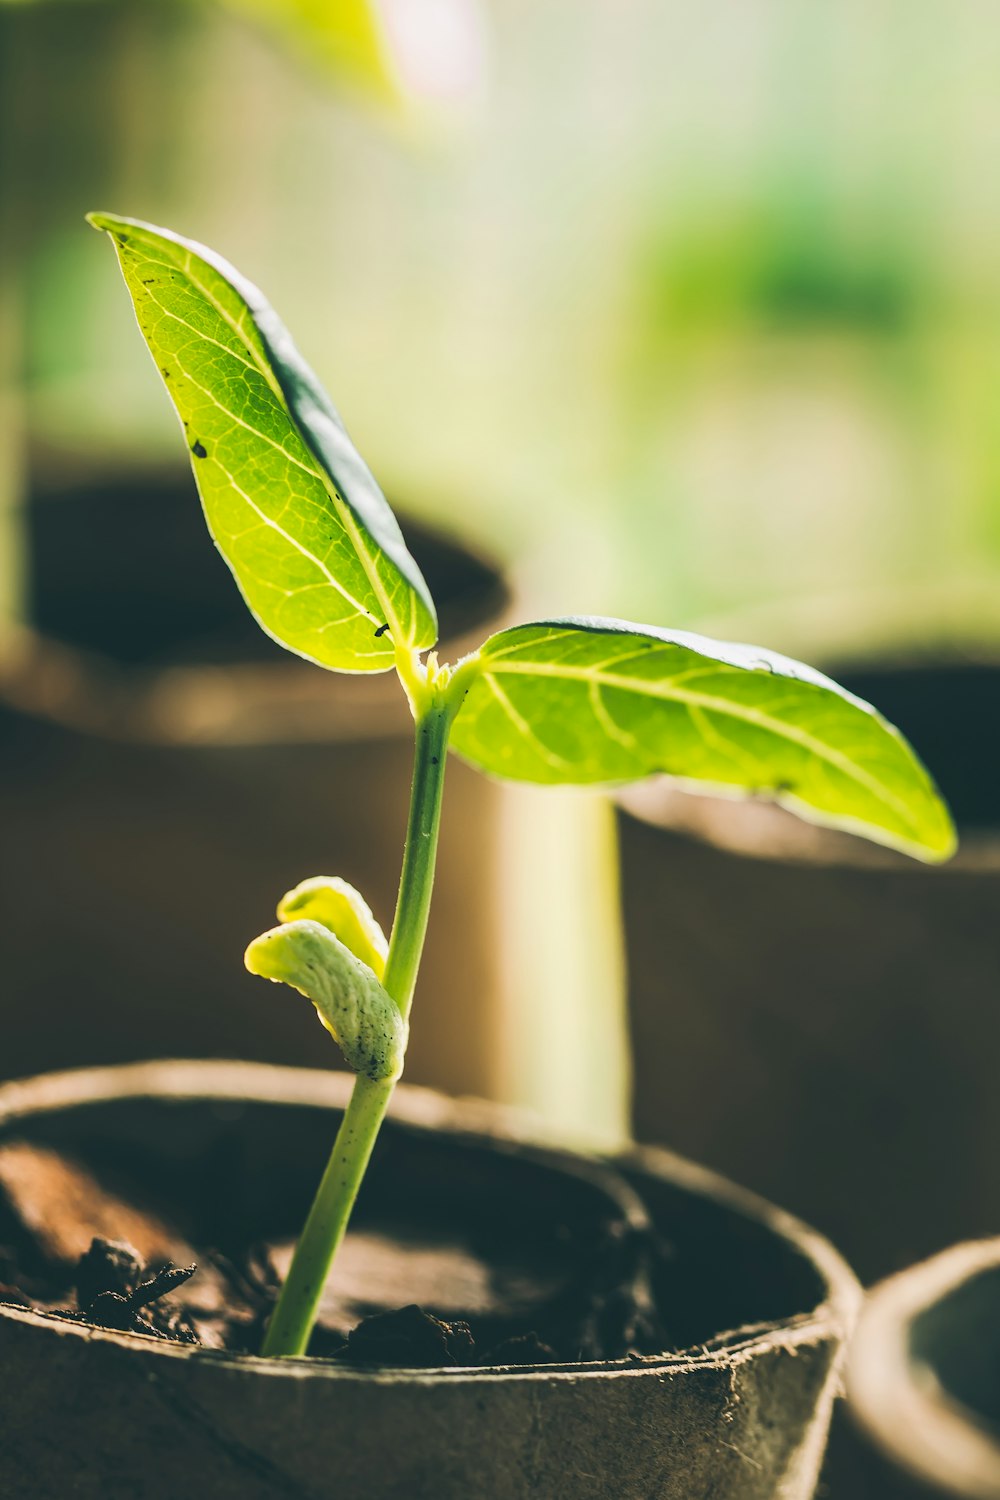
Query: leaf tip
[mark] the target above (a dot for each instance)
(114, 224)
(943, 843)
(933, 838)
(258, 953)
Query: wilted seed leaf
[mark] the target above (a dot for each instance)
(361, 1017)
(337, 906)
(585, 701)
(292, 506)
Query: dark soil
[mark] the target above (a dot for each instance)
(71, 1247)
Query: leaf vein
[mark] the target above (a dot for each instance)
(359, 608)
(612, 728)
(667, 692)
(551, 757)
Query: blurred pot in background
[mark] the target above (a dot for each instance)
(166, 772)
(813, 1014)
(924, 1375)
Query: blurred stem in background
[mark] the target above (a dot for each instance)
(564, 1054)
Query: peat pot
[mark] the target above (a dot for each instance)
(924, 1376)
(812, 1014)
(760, 1306)
(166, 769)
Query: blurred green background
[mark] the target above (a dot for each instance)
(687, 314)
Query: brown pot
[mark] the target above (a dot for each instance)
(810, 1013)
(762, 1306)
(166, 769)
(925, 1374)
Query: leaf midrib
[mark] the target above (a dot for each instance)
(346, 515)
(359, 610)
(724, 706)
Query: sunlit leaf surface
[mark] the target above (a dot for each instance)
(292, 506)
(601, 701)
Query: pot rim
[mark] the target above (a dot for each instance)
(427, 1109)
(200, 704)
(917, 1424)
(255, 701)
(210, 704)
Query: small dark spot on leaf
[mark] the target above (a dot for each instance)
(382, 629)
(148, 280)
(164, 372)
(434, 760)
(198, 449)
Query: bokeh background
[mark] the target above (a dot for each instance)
(711, 297)
(688, 314)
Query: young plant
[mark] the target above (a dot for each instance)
(322, 565)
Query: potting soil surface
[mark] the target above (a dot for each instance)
(74, 1247)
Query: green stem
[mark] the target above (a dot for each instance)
(292, 1321)
(416, 881)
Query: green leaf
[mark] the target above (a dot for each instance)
(337, 906)
(585, 701)
(362, 1018)
(293, 508)
(344, 35)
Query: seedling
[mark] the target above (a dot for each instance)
(322, 565)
